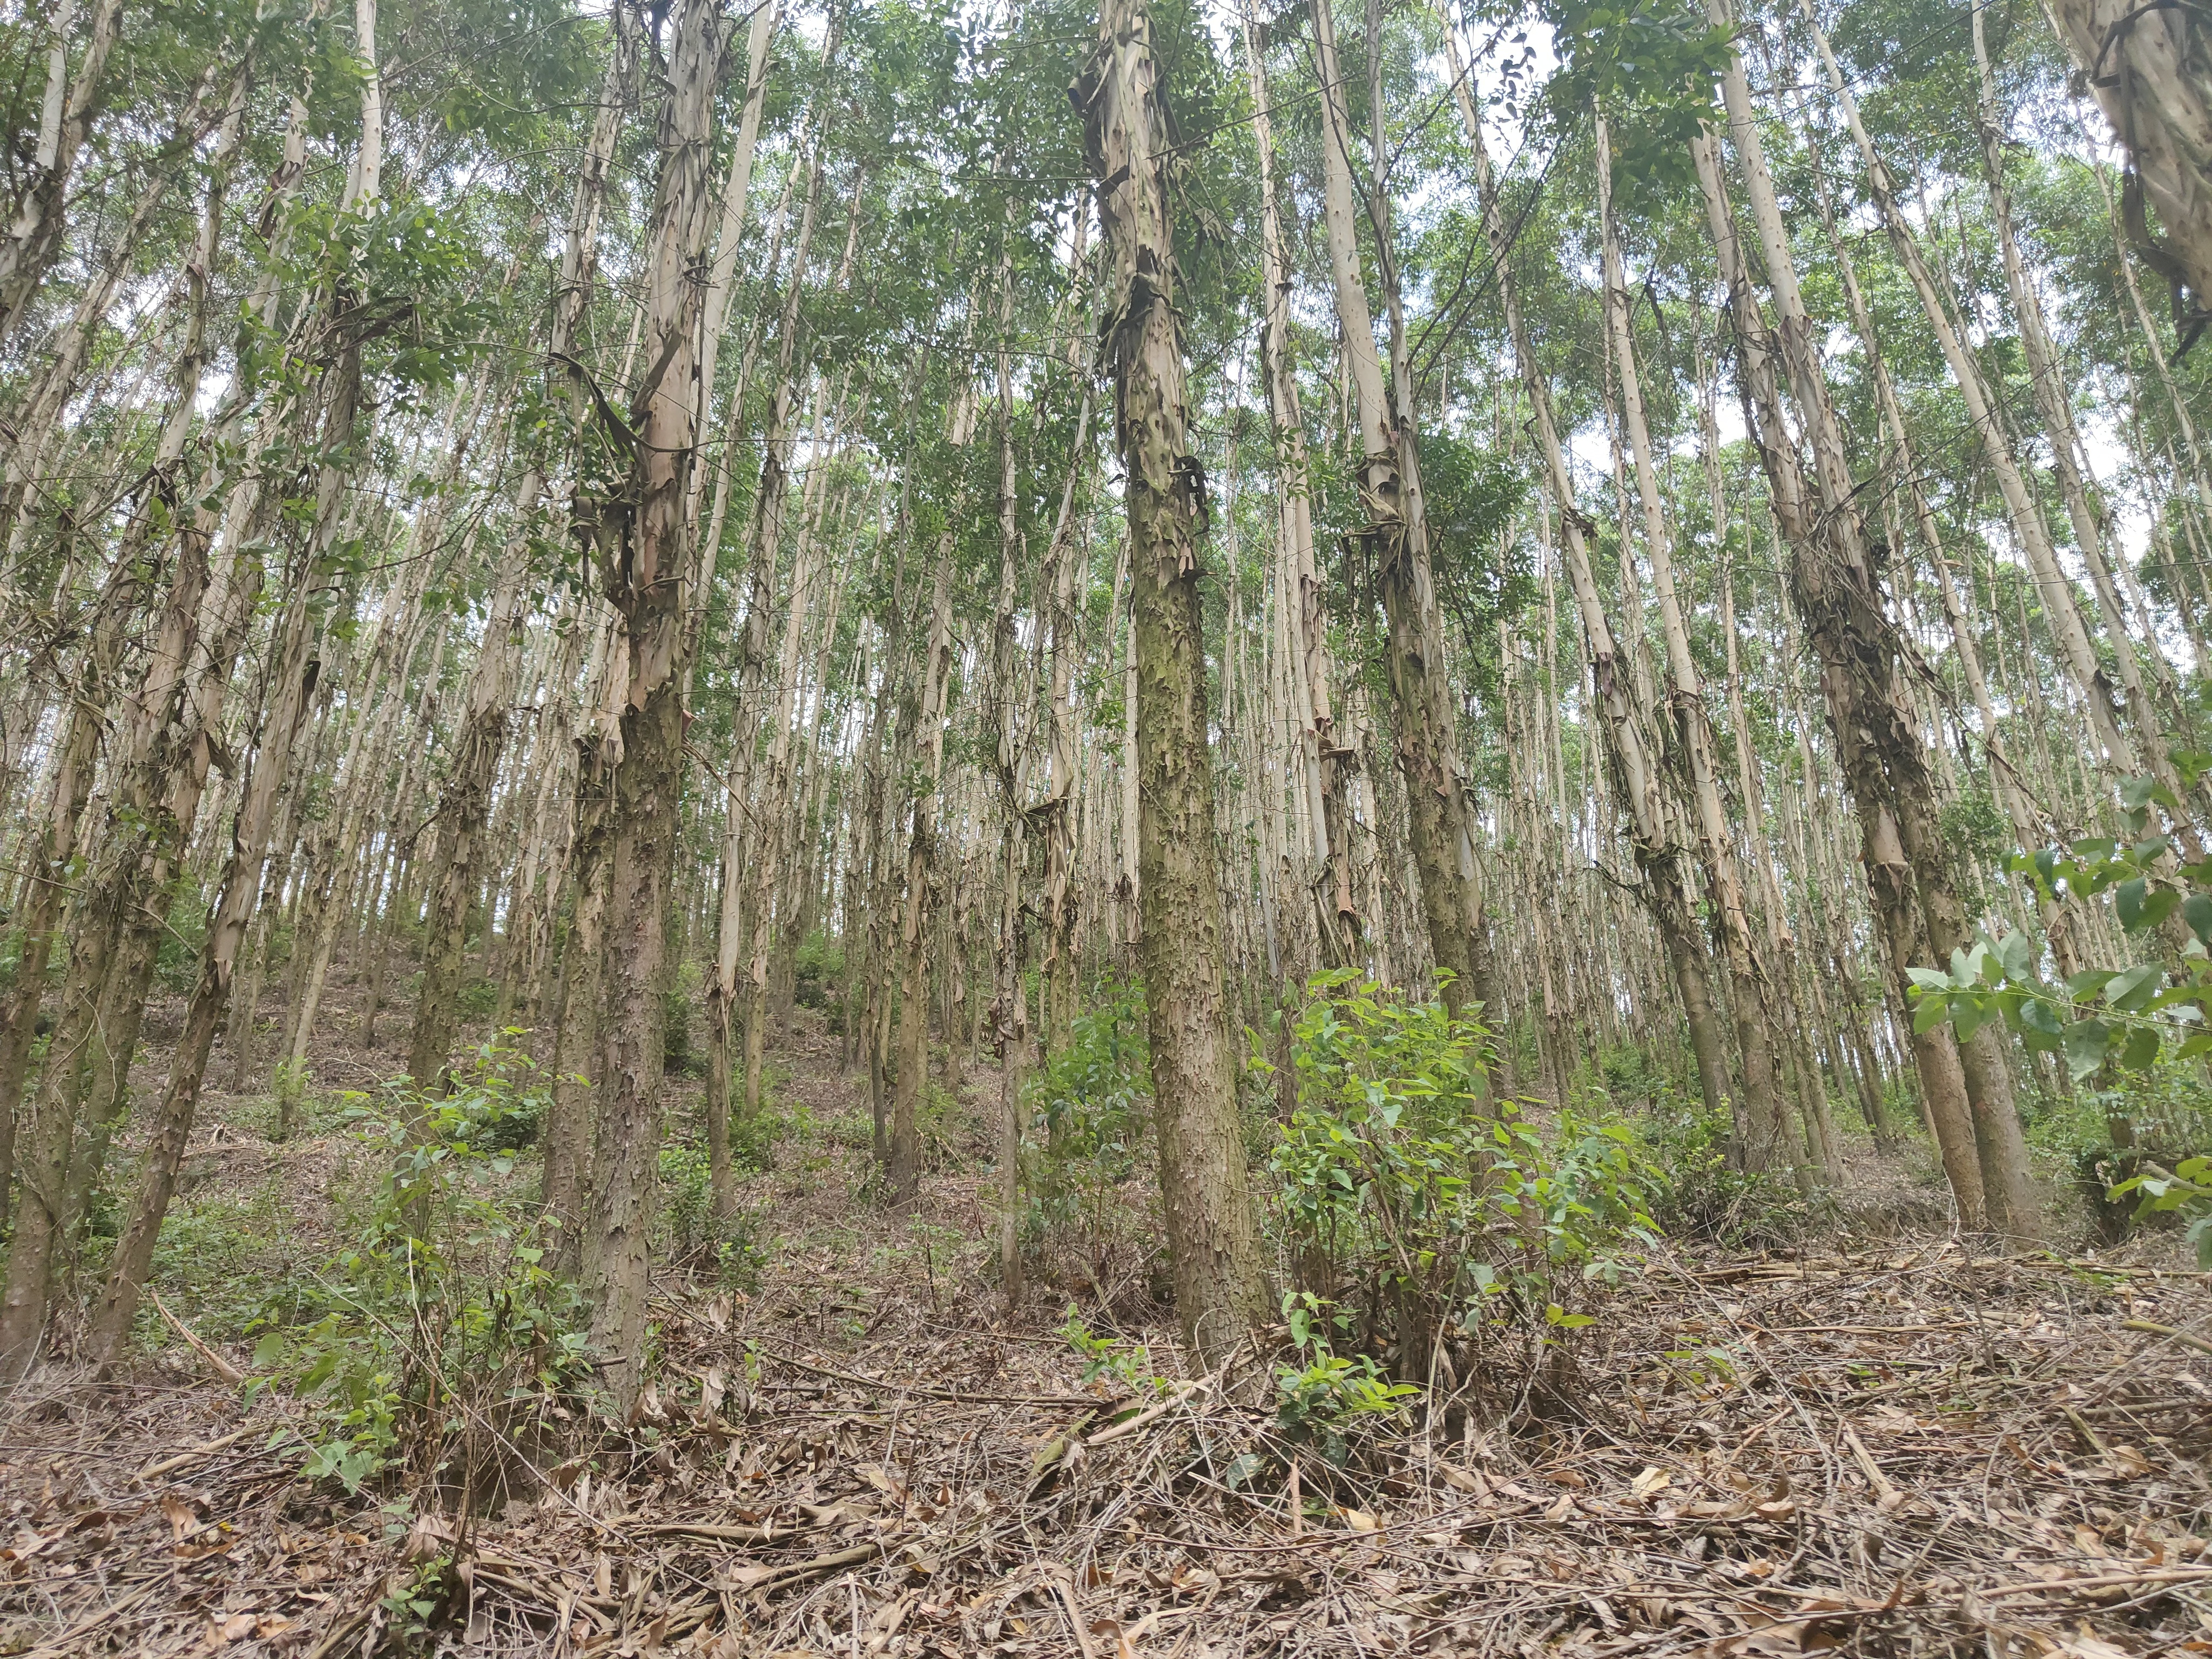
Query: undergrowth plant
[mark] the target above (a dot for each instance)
(1412, 1208)
(1089, 1198)
(433, 1346)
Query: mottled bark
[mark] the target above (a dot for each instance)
(1212, 1238)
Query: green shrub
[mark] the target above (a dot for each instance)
(479, 996)
(694, 1236)
(1411, 1209)
(177, 956)
(2141, 1123)
(1343, 1408)
(1089, 1192)
(819, 970)
(434, 1342)
(1693, 1190)
(2185, 1192)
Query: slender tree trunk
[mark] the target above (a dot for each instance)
(571, 1122)
(903, 1170)
(1424, 718)
(1763, 1144)
(34, 236)
(1220, 1286)
(644, 553)
(1324, 757)
(1883, 763)
(1628, 739)
(292, 678)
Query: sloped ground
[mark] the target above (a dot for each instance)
(1902, 1451)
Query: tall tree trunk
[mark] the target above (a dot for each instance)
(465, 806)
(1212, 1238)
(46, 888)
(1762, 1145)
(644, 553)
(292, 673)
(571, 1121)
(1424, 717)
(1629, 741)
(1883, 764)
(34, 235)
(911, 1078)
(1323, 756)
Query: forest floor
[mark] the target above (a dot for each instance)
(1892, 1448)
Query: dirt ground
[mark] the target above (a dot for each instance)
(1898, 1447)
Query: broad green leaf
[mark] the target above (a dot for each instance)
(2087, 1042)
(2141, 1048)
(2129, 991)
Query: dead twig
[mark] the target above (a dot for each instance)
(223, 1368)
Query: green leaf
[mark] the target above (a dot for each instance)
(2017, 953)
(2083, 986)
(2128, 901)
(2197, 911)
(2129, 991)
(2141, 1048)
(1932, 1011)
(2086, 1042)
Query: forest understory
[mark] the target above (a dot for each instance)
(1105, 828)
(1884, 1443)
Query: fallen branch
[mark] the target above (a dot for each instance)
(170, 1465)
(763, 1579)
(729, 1534)
(1130, 1426)
(65, 1643)
(887, 1386)
(2150, 1327)
(223, 1368)
(2103, 1581)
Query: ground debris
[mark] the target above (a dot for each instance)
(1922, 1453)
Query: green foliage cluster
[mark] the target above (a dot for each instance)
(439, 1339)
(818, 971)
(732, 1248)
(1410, 1204)
(2127, 1015)
(1086, 1192)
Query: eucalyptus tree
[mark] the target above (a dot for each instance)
(1212, 1238)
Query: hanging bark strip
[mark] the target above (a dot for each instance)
(1424, 716)
(465, 805)
(643, 548)
(1630, 740)
(1211, 1235)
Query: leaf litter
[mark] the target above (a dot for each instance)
(1912, 1450)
